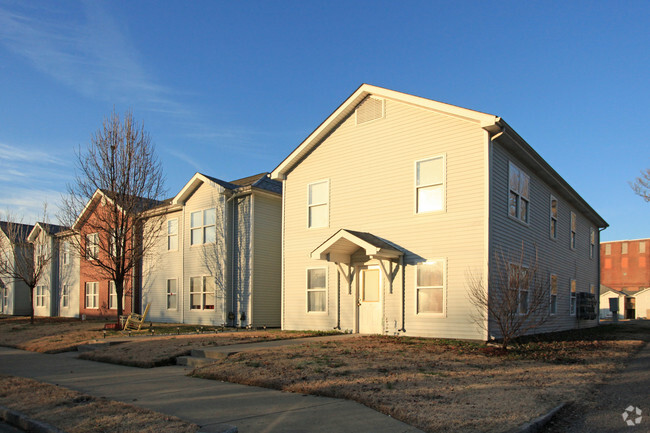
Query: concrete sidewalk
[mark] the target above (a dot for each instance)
(216, 406)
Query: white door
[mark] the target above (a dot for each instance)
(370, 317)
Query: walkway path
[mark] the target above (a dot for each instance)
(216, 406)
(602, 412)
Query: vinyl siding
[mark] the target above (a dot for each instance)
(267, 254)
(68, 275)
(241, 256)
(554, 256)
(371, 173)
(48, 278)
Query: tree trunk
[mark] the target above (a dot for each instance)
(119, 291)
(31, 306)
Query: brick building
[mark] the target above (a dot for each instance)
(625, 265)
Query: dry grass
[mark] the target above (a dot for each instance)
(74, 412)
(48, 335)
(440, 385)
(158, 351)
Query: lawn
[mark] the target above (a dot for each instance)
(443, 385)
(75, 412)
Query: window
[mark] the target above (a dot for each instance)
(92, 246)
(203, 226)
(519, 198)
(430, 286)
(172, 235)
(202, 293)
(318, 204)
(592, 242)
(40, 296)
(642, 247)
(608, 249)
(66, 253)
(117, 243)
(553, 294)
(624, 248)
(592, 289)
(92, 295)
(65, 296)
(317, 290)
(573, 297)
(112, 296)
(573, 231)
(430, 184)
(553, 216)
(172, 295)
(519, 283)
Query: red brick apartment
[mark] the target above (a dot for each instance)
(625, 265)
(97, 295)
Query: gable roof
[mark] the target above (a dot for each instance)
(50, 229)
(259, 181)
(344, 242)
(23, 230)
(500, 131)
(142, 204)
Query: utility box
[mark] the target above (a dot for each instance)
(586, 306)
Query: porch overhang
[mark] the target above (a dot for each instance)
(340, 247)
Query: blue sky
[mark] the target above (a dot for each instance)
(230, 88)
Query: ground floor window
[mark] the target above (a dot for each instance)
(519, 284)
(92, 295)
(573, 297)
(65, 296)
(202, 293)
(172, 295)
(430, 286)
(317, 290)
(553, 294)
(40, 296)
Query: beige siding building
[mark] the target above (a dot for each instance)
(396, 202)
(218, 257)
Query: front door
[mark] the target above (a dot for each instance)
(370, 317)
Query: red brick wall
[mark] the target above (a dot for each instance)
(90, 273)
(630, 271)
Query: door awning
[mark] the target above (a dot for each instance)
(340, 246)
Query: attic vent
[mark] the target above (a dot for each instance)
(370, 109)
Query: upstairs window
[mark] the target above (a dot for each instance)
(430, 184)
(519, 198)
(203, 227)
(624, 248)
(573, 231)
(65, 259)
(92, 246)
(172, 234)
(642, 247)
(553, 217)
(318, 204)
(592, 242)
(608, 249)
(117, 243)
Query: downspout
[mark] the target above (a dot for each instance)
(401, 263)
(283, 218)
(251, 260)
(182, 285)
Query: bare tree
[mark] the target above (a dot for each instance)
(517, 298)
(119, 176)
(641, 185)
(22, 262)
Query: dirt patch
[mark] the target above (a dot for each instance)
(435, 385)
(74, 412)
(159, 351)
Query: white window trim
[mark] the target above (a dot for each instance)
(608, 249)
(573, 234)
(444, 290)
(174, 234)
(551, 218)
(592, 243)
(327, 204)
(307, 290)
(175, 308)
(510, 264)
(41, 297)
(111, 285)
(573, 296)
(65, 255)
(519, 197)
(203, 226)
(95, 295)
(92, 249)
(626, 249)
(65, 296)
(444, 185)
(202, 292)
(550, 294)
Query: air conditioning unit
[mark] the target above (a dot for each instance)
(586, 306)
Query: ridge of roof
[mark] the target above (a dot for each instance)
(23, 229)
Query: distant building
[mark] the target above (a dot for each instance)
(625, 265)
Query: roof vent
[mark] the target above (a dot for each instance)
(370, 109)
